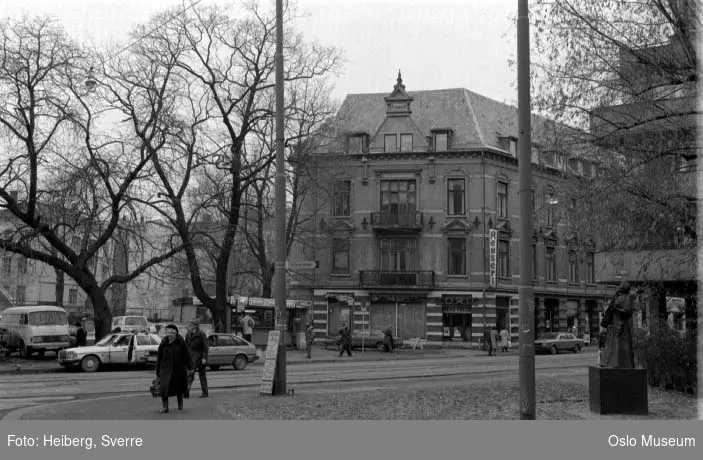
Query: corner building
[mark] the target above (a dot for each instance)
(416, 226)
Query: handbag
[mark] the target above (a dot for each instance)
(155, 388)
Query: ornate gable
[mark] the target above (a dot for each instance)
(398, 102)
(505, 228)
(456, 226)
(340, 227)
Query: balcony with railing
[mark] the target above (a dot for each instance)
(390, 221)
(385, 278)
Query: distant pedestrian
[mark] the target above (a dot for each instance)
(247, 327)
(309, 337)
(80, 335)
(388, 340)
(345, 341)
(494, 341)
(198, 347)
(173, 364)
(504, 341)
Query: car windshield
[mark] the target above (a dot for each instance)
(48, 318)
(549, 336)
(106, 341)
(135, 321)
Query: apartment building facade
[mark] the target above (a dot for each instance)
(421, 228)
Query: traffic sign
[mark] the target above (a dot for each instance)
(302, 265)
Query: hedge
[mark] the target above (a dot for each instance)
(669, 357)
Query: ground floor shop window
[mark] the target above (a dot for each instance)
(456, 327)
(406, 320)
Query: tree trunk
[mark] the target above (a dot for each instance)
(60, 285)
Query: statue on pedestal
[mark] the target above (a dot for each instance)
(618, 349)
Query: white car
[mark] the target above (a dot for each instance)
(116, 348)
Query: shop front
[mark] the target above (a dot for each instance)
(404, 314)
(456, 317)
(263, 312)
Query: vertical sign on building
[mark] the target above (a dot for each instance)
(492, 255)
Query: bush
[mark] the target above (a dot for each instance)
(669, 357)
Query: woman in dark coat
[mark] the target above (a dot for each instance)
(173, 363)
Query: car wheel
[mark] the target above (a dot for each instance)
(239, 362)
(576, 348)
(214, 368)
(380, 346)
(554, 350)
(25, 352)
(90, 363)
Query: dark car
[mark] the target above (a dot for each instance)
(554, 342)
(230, 350)
(365, 338)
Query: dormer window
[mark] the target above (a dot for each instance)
(513, 147)
(441, 140)
(357, 143)
(390, 143)
(406, 142)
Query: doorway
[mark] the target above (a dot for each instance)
(456, 327)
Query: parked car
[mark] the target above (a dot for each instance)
(118, 348)
(130, 324)
(230, 350)
(368, 338)
(554, 342)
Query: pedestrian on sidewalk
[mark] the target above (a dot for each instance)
(388, 340)
(173, 364)
(196, 340)
(247, 327)
(493, 344)
(504, 340)
(345, 341)
(309, 337)
(80, 335)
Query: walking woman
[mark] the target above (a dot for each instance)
(173, 364)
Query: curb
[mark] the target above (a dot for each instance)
(50, 370)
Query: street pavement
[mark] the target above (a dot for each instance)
(124, 395)
(34, 365)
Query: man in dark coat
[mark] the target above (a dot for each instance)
(198, 347)
(345, 341)
(618, 350)
(173, 364)
(388, 340)
(80, 335)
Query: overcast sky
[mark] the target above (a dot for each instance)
(436, 44)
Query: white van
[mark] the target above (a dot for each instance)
(39, 328)
(130, 324)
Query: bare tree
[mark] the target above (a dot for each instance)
(225, 70)
(628, 71)
(63, 176)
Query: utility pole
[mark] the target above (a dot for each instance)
(525, 290)
(279, 384)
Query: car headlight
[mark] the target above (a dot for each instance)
(71, 355)
(37, 339)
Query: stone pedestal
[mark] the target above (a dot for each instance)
(617, 391)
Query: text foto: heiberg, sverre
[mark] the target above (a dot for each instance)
(49, 440)
(650, 440)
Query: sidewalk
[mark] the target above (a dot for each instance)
(10, 366)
